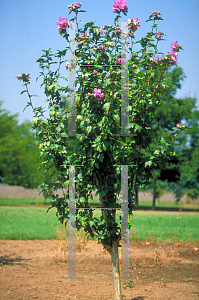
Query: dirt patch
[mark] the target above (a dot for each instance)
(9, 191)
(31, 270)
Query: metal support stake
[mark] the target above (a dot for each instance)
(72, 228)
(124, 223)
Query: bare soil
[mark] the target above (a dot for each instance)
(32, 269)
(9, 191)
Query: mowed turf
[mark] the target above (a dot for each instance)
(24, 223)
(95, 203)
(34, 223)
(23, 201)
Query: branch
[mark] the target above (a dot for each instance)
(134, 179)
(158, 81)
(101, 202)
(29, 96)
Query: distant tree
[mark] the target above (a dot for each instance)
(170, 112)
(187, 150)
(19, 153)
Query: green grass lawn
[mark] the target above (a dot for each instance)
(22, 201)
(34, 223)
(23, 223)
(168, 226)
(169, 205)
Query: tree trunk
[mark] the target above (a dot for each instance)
(116, 271)
(154, 193)
(136, 197)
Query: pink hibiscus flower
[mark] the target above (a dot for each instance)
(97, 93)
(119, 5)
(121, 60)
(62, 23)
(174, 56)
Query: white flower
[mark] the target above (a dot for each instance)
(112, 44)
(124, 34)
(108, 74)
(68, 66)
(70, 24)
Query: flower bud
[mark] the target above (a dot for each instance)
(78, 4)
(155, 14)
(118, 30)
(112, 44)
(68, 65)
(71, 7)
(108, 74)
(18, 77)
(158, 35)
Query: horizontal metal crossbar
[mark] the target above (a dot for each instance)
(124, 135)
(99, 65)
(72, 165)
(109, 208)
(113, 165)
(66, 135)
(126, 165)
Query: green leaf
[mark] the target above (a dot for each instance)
(107, 143)
(104, 147)
(157, 152)
(101, 156)
(34, 95)
(99, 148)
(106, 106)
(91, 223)
(148, 163)
(110, 122)
(23, 92)
(82, 199)
(116, 118)
(89, 129)
(122, 143)
(138, 127)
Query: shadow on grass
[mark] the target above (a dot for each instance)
(7, 260)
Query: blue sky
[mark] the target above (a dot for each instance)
(27, 27)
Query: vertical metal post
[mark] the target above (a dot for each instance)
(72, 77)
(124, 83)
(72, 227)
(124, 223)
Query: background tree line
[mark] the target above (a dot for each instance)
(179, 174)
(20, 154)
